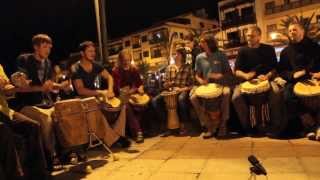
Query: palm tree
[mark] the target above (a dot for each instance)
(311, 30)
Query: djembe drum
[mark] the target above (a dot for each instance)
(171, 99)
(139, 101)
(308, 92)
(256, 94)
(71, 123)
(110, 107)
(209, 95)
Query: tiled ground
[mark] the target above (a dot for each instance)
(194, 158)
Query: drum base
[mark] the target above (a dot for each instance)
(173, 119)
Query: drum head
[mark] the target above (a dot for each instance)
(112, 102)
(138, 99)
(210, 90)
(307, 88)
(254, 86)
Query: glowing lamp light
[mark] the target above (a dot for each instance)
(132, 62)
(172, 61)
(273, 35)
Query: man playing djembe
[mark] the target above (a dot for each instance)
(300, 62)
(86, 71)
(179, 78)
(257, 61)
(129, 85)
(212, 67)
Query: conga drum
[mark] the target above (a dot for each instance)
(256, 94)
(171, 99)
(71, 123)
(308, 92)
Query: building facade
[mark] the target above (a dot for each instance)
(237, 15)
(154, 45)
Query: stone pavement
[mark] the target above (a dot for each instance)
(175, 158)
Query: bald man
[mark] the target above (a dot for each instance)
(300, 60)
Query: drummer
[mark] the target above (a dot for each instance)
(300, 60)
(178, 77)
(212, 67)
(83, 78)
(257, 60)
(36, 96)
(128, 80)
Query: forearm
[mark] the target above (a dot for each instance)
(110, 83)
(87, 92)
(29, 89)
(199, 79)
(271, 74)
(240, 74)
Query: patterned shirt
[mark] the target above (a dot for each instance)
(182, 77)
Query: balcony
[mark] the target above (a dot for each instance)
(289, 6)
(235, 3)
(238, 21)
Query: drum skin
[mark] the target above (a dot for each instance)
(254, 86)
(139, 101)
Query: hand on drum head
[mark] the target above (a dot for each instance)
(299, 74)
(134, 99)
(204, 81)
(106, 93)
(141, 90)
(315, 75)
(262, 77)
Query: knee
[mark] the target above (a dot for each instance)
(226, 91)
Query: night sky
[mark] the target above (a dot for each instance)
(70, 22)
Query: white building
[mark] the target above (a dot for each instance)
(154, 44)
(237, 15)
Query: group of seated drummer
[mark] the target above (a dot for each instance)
(262, 91)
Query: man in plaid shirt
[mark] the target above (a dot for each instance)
(178, 76)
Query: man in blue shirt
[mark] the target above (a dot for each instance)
(212, 67)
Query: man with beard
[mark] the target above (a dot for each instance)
(86, 71)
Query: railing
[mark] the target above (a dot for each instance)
(238, 21)
(235, 3)
(291, 5)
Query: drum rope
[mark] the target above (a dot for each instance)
(252, 116)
